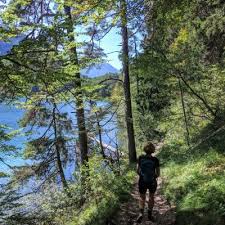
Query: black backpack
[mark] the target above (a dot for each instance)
(147, 168)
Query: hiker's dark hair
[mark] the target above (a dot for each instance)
(149, 148)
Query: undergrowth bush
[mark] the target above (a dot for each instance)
(91, 202)
(107, 187)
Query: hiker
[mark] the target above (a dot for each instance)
(148, 171)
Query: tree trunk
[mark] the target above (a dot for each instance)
(184, 112)
(57, 147)
(82, 132)
(128, 105)
(100, 135)
(137, 75)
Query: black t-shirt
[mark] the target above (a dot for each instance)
(156, 161)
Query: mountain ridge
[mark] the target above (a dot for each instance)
(98, 70)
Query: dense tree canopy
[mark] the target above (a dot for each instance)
(170, 91)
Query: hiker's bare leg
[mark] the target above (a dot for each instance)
(150, 206)
(151, 201)
(141, 207)
(142, 202)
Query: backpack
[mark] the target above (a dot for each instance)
(147, 168)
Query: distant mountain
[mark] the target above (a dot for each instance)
(98, 70)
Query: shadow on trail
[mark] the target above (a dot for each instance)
(197, 217)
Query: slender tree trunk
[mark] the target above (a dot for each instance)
(180, 75)
(137, 75)
(198, 96)
(118, 153)
(184, 112)
(100, 135)
(83, 145)
(57, 147)
(125, 56)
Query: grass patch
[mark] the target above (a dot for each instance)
(195, 182)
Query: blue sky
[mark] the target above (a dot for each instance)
(111, 43)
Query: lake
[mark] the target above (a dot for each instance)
(10, 116)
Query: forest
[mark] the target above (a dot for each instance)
(76, 110)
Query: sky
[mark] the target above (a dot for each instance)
(112, 43)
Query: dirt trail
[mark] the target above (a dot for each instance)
(163, 211)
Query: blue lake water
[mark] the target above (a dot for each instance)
(10, 116)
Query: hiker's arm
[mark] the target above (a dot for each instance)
(138, 169)
(157, 172)
(138, 166)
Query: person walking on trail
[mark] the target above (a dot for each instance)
(148, 171)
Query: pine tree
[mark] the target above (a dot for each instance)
(48, 151)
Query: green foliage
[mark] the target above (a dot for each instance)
(2, 174)
(195, 183)
(105, 190)
(183, 46)
(100, 88)
(184, 60)
(7, 134)
(178, 83)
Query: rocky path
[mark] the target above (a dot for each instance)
(128, 212)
